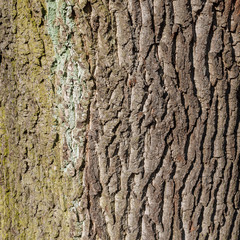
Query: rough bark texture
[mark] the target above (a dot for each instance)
(31, 186)
(129, 129)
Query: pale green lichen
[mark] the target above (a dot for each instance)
(68, 72)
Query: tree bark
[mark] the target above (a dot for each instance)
(120, 119)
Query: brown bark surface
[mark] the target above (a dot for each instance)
(148, 135)
(162, 156)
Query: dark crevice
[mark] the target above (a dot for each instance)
(149, 51)
(237, 121)
(173, 53)
(228, 183)
(199, 223)
(139, 234)
(160, 215)
(215, 125)
(230, 14)
(152, 19)
(130, 19)
(174, 168)
(192, 69)
(56, 140)
(202, 141)
(212, 89)
(73, 13)
(161, 28)
(214, 197)
(44, 12)
(218, 231)
(88, 8)
(199, 181)
(187, 144)
(227, 119)
(171, 227)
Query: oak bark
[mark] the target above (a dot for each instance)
(139, 136)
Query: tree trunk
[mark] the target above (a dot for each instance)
(120, 119)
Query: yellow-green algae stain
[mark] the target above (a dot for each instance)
(4, 183)
(31, 183)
